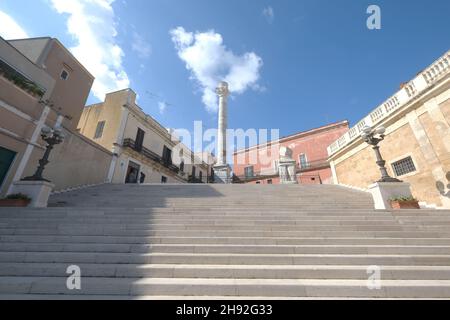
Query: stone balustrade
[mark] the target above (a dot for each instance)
(409, 91)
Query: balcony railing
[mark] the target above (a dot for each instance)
(265, 175)
(193, 179)
(20, 80)
(409, 91)
(313, 165)
(130, 143)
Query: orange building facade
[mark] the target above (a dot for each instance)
(259, 164)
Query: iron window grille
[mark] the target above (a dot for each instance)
(404, 166)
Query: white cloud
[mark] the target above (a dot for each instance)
(140, 46)
(10, 29)
(269, 14)
(92, 24)
(162, 107)
(210, 62)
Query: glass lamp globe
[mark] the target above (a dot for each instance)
(367, 130)
(381, 130)
(46, 131)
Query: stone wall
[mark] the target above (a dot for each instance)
(75, 163)
(422, 132)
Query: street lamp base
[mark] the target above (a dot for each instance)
(389, 179)
(33, 178)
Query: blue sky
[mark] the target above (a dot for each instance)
(294, 65)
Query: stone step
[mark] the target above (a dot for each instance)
(208, 210)
(228, 287)
(97, 231)
(401, 241)
(240, 249)
(225, 259)
(105, 228)
(191, 222)
(224, 272)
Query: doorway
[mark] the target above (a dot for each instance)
(132, 173)
(6, 159)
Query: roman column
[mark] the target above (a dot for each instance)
(222, 92)
(222, 169)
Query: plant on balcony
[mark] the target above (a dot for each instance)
(15, 200)
(21, 81)
(398, 203)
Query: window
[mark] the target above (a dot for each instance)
(64, 74)
(99, 130)
(182, 166)
(303, 161)
(142, 179)
(167, 156)
(249, 173)
(270, 181)
(163, 179)
(404, 166)
(139, 140)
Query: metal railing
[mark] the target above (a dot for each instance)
(130, 143)
(424, 81)
(193, 179)
(314, 165)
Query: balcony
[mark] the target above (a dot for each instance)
(313, 165)
(130, 143)
(20, 80)
(193, 179)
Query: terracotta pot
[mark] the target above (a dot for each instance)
(14, 203)
(397, 205)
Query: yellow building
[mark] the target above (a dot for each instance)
(417, 143)
(143, 149)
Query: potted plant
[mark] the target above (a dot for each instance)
(15, 200)
(404, 203)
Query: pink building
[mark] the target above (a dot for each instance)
(259, 164)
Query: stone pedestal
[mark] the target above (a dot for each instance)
(382, 192)
(222, 174)
(287, 167)
(38, 191)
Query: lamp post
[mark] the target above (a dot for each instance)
(373, 137)
(52, 137)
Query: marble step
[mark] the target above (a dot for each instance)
(213, 249)
(221, 259)
(104, 228)
(225, 271)
(98, 231)
(248, 240)
(228, 287)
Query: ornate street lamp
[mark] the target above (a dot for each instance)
(52, 137)
(373, 137)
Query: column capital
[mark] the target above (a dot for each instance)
(222, 90)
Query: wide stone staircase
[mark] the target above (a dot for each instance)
(222, 241)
